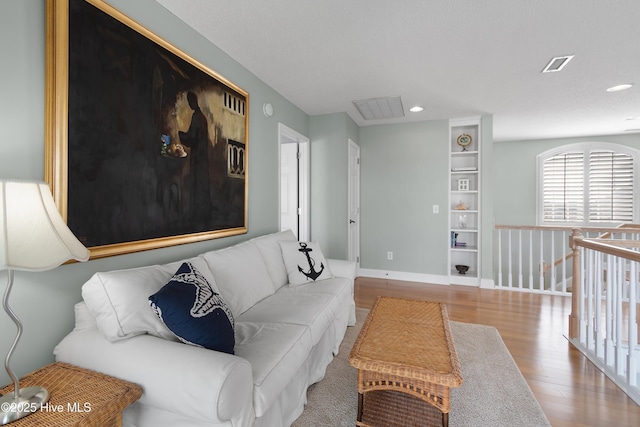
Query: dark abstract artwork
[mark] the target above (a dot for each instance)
(157, 142)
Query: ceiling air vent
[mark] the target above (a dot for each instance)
(557, 63)
(387, 107)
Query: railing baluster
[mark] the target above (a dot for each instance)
(632, 362)
(519, 259)
(620, 351)
(575, 317)
(583, 291)
(564, 266)
(541, 282)
(590, 314)
(597, 301)
(610, 314)
(500, 257)
(531, 260)
(553, 283)
(510, 266)
(615, 294)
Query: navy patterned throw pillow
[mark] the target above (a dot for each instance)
(190, 307)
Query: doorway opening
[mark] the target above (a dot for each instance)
(354, 203)
(294, 182)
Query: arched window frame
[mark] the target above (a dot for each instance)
(586, 148)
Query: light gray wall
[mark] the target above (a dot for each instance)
(329, 136)
(44, 301)
(515, 174)
(404, 171)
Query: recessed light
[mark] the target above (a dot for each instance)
(618, 88)
(633, 118)
(416, 109)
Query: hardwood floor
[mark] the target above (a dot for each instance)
(570, 389)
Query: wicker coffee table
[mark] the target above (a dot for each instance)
(405, 358)
(77, 397)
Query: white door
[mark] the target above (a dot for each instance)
(289, 187)
(294, 182)
(354, 203)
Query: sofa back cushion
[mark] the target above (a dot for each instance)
(241, 275)
(119, 299)
(269, 247)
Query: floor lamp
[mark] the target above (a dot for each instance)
(33, 237)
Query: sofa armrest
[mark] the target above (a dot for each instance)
(342, 268)
(191, 381)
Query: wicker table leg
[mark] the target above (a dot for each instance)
(445, 419)
(360, 406)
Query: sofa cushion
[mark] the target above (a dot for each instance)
(119, 299)
(190, 307)
(269, 248)
(276, 351)
(241, 276)
(304, 262)
(313, 305)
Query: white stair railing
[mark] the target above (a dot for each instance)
(527, 258)
(539, 258)
(605, 306)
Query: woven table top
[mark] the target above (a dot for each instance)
(77, 397)
(410, 339)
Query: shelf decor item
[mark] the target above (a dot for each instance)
(464, 141)
(463, 184)
(462, 222)
(462, 269)
(33, 237)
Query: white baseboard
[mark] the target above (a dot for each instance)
(487, 284)
(406, 277)
(417, 277)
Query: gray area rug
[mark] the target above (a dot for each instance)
(494, 393)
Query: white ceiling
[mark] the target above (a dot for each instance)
(457, 58)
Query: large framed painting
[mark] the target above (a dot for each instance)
(146, 146)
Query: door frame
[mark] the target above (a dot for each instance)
(353, 249)
(286, 135)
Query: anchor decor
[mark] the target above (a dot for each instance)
(312, 273)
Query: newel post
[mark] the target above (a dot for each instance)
(574, 317)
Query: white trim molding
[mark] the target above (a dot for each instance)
(487, 284)
(403, 276)
(416, 277)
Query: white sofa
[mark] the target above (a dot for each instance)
(285, 336)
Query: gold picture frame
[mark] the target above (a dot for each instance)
(145, 147)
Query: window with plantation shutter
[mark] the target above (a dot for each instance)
(564, 188)
(587, 184)
(610, 187)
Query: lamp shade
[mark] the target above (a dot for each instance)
(33, 235)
